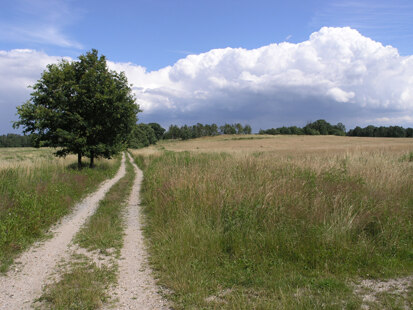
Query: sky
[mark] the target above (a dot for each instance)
(265, 63)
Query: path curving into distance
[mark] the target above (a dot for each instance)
(136, 287)
(20, 287)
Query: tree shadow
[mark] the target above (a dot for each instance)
(85, 165)
(74, 166)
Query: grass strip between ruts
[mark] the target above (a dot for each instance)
(83, 285)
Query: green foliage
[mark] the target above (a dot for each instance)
(186, 132)
(228, 129)
(174, 132)
(142, 135)
(372, 131)
(247, 130)
(319, 127)
(81, 107)
(159, 131)
(14, 140)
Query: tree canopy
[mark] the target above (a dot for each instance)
(80, 107)
(319, 127)
(373, 131)
(142, 135)
(186, 132)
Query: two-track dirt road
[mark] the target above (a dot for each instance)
(22, 285)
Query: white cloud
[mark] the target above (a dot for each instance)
(337, 74)
(393, 120)
(41, 21)
(337, 69)
(45, 34)
(340, 95)
(21, 68)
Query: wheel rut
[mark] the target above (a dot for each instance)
(136, 286)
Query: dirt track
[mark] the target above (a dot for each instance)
(136, 286)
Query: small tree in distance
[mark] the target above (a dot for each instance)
(159, 131)
(80, 107)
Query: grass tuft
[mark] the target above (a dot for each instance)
(83, 287)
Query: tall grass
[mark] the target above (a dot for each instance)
(266, 231)
(85, 283)
(35, 196)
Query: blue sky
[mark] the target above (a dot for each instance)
(144, 38)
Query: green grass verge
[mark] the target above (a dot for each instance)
(33, 200)
(256, 232)
(84, 285)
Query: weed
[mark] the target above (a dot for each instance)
(407, 157)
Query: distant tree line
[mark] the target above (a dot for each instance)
(186, 132)
(319, 127)
(143, 135)
(322, 127)
(15, 140)
(146, 134)
(373, 131)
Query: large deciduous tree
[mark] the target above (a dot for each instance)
(80, 107)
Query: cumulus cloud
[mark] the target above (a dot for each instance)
(19, 69)
(337, 74)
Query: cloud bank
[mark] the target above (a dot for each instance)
(338, 74)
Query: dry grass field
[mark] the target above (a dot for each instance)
(28, 158)
(282, 144)
(285, 222)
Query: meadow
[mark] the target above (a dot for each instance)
(281, 222)
(36, 190)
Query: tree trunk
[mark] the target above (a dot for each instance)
(79, 161)
(92, 157)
